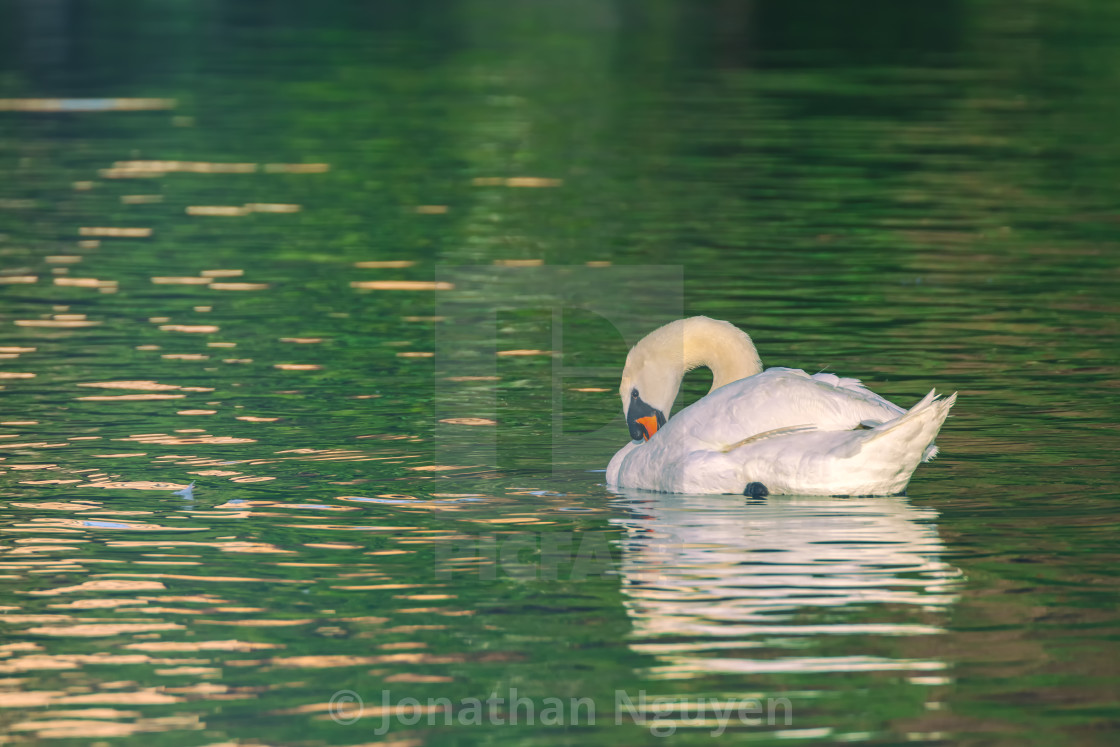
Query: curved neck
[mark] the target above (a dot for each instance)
(728, 353)
(656, 366)
(720, 346)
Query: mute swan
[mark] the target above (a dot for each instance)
(777, 431)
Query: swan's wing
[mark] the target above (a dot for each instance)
(855, 389)
(768, 434)
(776, 399)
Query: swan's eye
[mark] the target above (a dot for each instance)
(633, 394)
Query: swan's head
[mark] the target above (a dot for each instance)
(647, 392)
(655, 366)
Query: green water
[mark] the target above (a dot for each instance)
(389, 501)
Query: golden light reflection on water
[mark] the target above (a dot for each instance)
(116, 232)
(519, 262)
(523, 352)
(516, 181)
(211, 579)
(272, 207)
(297, 168)
(56, 323)
(85, 729)
(128, 397)
(469, 421)
(238, 286)
(196, 167)
(145, 385)
(86, 104)
(220, 210)
(190, 328)
(59, 505)
(236, 546)
(382, 264)
(34, 445)
(101, 630)
(61, 524)
(243, 505)
(219, 645)
(242, 210)
(406, 285)
(180, 280)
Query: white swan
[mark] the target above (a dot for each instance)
(780, 431)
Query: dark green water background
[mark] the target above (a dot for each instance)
(919, 195)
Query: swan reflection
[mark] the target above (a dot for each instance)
(705, 574)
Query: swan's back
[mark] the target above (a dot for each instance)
(777, 398)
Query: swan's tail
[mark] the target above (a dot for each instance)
(917, 427)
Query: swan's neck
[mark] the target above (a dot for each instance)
(721, 347)
(656, 366)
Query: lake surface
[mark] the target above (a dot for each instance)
(365, 277)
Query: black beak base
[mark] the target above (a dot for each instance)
(639, 409)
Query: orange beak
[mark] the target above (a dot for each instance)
(649, 422)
